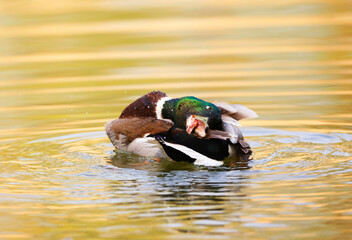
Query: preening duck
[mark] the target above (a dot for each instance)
(182, 129)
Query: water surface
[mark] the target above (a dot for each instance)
(69, 66)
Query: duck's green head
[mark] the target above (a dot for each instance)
(193, 114)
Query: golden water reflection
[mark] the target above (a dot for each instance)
(68, 67)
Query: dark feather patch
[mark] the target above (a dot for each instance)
(144, 106)
(214, 148)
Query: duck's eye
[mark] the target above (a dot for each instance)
(207, 107)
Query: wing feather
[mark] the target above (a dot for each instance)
(123, 131)
(236, 111)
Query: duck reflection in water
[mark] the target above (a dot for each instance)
(182, 193)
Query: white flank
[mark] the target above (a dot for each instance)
(147, 147)
(159, 107)
(200, 158)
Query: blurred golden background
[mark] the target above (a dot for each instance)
(67, 67)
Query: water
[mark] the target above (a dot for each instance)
(69, 66)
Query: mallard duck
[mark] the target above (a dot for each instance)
(182, 129)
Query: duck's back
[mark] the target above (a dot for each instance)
(144, 106)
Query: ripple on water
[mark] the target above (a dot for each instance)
(221, 199)
(302, 150)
